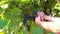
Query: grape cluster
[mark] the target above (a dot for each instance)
(29, 17)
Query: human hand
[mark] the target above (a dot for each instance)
(53, 25)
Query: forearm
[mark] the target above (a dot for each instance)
(51, 26)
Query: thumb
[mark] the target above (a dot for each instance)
(37, 20)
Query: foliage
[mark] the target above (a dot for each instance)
(16, 10)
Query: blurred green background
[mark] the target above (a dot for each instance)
(13, 11)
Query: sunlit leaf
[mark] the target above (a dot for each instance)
(57, 6)
(4, 6)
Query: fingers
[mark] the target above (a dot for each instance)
(48, 18)
(41, 15)
(37, 20)
(44, 17)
